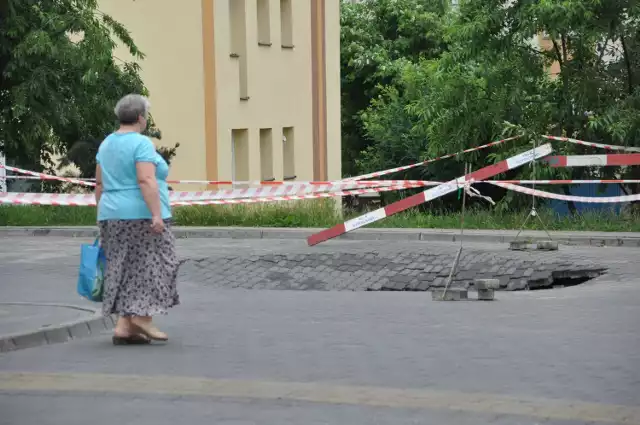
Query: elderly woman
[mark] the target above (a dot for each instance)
(133, 215)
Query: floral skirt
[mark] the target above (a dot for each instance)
(142, 267)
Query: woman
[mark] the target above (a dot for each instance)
(133, 215)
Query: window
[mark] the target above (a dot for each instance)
(240, 155)
(244, 78)
(266, 154)
(286, 24)
(288, 153)
(264, 23)
(238, 17)
(237, 20)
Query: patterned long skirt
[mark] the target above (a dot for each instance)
(142, 268)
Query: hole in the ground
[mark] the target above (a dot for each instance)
(563, 279)
(563, 282)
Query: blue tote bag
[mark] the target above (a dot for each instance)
(92, 269)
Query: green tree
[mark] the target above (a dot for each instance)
(377, 39)
(494, 81)
(59, 80)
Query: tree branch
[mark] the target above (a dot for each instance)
(558, 53)
(612, 28)
(627, 62)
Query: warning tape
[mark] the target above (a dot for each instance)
(593, 145)
(291, 198)
(611, 160)
(429, 161)
(65, 199)
(281, 189)
(408, 183)
(430, 194)
(43, 176)
(31, 175)
(571, 198)
(270, 191)
(35, 178)
(553, 182)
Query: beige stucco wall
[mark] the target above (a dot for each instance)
(280, 85)
(334, 131)
(172, 71)
(279, 90)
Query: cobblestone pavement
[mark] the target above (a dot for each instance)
(561, 356)
(414, 268)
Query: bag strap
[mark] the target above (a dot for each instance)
(97, 241)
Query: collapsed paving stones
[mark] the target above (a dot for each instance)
(385, 270)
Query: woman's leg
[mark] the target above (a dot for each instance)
(145, 326)
(123, 327)
(126, 334)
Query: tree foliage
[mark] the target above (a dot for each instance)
(495, 79)
(378, 39)
(59, 81)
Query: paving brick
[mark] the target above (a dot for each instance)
(348, 266)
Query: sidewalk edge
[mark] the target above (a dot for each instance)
(94, 325)
(425, 235)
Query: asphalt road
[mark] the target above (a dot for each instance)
(564, 356)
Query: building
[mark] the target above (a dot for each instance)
(249, 88)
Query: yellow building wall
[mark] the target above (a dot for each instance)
(196, 54)
(334, 129)
(171, 39)
(278, 89)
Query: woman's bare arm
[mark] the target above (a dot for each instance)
(98, 184)
(146, 172)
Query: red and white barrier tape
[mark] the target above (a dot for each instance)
(290, 198)
(292, 188)
(43, 176)
(266, 183)
(570, 198)
(64, 199)
(430, 194)
(593, 145)
(429, 161)
(270, 191)
(35, 178)
(554, 182)
(415, 183)
(611, 160)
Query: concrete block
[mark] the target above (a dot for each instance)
(482, 284)
(55, 336)
(6, 345)
(96, 325)
(29, 340)
(79, 330)
(452, 294)
(547, 245)
(518, 245)
(485, 295)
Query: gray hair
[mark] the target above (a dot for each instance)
(131, 107)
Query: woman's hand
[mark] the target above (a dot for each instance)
(157, 225)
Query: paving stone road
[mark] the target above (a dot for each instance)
(561, 356)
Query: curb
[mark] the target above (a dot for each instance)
(57, 334)
(629, 240)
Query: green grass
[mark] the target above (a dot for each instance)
(323, 214)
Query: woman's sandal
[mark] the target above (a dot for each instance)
(150, 332)
(134, 339)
